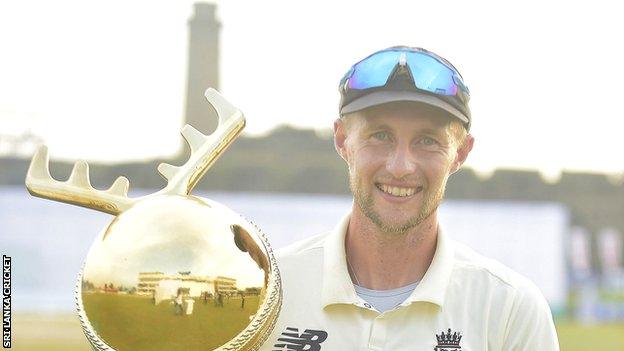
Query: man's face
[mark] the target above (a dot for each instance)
(400, 157)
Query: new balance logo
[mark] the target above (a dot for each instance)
(309, 340)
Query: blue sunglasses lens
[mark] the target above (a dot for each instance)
(374, 71)
(429, 74)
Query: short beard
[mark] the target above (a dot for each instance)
(365, 203)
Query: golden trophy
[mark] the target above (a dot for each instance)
(171, 271)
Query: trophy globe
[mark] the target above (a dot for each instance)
(171, 271)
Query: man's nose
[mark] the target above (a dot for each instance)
(401, 161)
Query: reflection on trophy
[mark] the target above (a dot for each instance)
(172, 271)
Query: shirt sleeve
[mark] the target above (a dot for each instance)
(530, 326)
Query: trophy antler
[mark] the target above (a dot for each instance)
(77, 189)
(205, 150)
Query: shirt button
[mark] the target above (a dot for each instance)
(367, 305)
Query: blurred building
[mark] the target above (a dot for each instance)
(203, 66)
(148, 281)
(164, 286)
(225, 285)
(253, 291)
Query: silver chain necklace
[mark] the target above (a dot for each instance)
(357, 282)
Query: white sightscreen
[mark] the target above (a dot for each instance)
(526, 236)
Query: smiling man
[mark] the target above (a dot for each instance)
(388, 277)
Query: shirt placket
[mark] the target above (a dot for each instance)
(377, 338)
(378, 330)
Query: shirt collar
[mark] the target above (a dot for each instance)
(432, 287)
(337, 287)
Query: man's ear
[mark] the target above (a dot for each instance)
(340, 137)
(462, 153)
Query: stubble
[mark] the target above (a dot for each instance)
(431, 201)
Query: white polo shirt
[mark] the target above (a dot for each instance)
(464, 302)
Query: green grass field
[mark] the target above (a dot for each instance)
(575, 337)
(130, 322)
(63, 333)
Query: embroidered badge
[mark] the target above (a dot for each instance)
(309, 340)
(448, 341)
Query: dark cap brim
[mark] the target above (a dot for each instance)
(383, 97)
